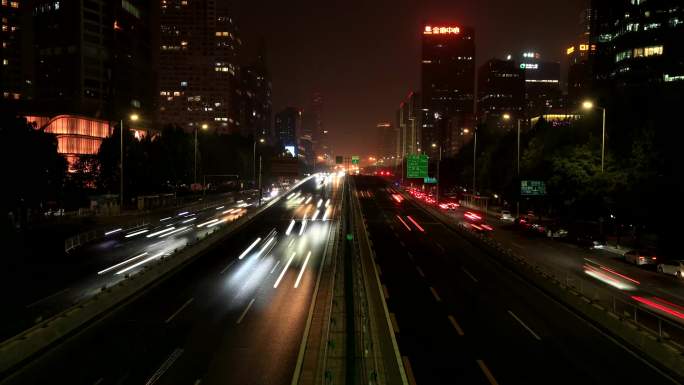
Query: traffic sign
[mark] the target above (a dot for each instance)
(417, 166)
(356, 159)
(532, 187)
(430, 180)
(339, 159)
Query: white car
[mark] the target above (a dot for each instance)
(675, 268)
(506, 216)
(640, 257)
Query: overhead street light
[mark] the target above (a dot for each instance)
(133, 118)
(589, 105)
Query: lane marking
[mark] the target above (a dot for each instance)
(228, 266)
(434, 294)
(301, 272)
(282, 273)
(420, 271)
(249, 248)
(469, 275)
(395, 324)
(244, 312)
(456, 325)
(409, 370)
(188, 302)
(274, 267)
(487, 373)
(525, 326)
(165, 366)
(403, 223)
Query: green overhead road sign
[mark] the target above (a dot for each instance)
(356, 159)
(532, 187)
(339, 159)
(417, 166)
(430, 180)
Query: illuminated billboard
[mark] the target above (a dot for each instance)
(441, 30)
(291, 150)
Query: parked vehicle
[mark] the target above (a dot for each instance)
(675, 268)
(641, 257)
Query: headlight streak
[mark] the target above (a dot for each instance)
(136, 233)
(308, 200)
(282, 273)
(121, 263)
(327, 203)
(207, 223)
(320, 202)
(247, 250)
(301, 272)
(289, 228)
(189, 220)
(113, 231)
(173, 232)
(268, 243)
(165, 219)
(181, 214)
(144, 261)
(327, 212)
(224, 220)
(301, 230)
(166, 230)
(313, 218)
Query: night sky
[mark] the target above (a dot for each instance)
(364, 56)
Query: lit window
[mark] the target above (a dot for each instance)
(14, 4)
(653, 51)
(5, 62)
(184, 84)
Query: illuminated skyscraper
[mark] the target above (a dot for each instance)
(542, 83)
(448, 83)
(199, 74)
(11, 84)
(501, 90)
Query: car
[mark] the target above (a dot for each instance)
(675, 268)
(506, 216)
(640, 257)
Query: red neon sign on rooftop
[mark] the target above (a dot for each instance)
(430, 30)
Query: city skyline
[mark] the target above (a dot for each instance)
(391, 69)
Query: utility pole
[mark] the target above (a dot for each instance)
(121, 170)
(260, 191)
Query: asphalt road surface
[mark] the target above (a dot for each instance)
(461, 318)
(234, 316)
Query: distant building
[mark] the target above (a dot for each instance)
(501, 90)
(579, 64)
(95, 58)
(288, 125)
(318, 130)
(386, 143)
(199, 79)
(257, 101)
(408, 126)
(542, 83)
(447, 84)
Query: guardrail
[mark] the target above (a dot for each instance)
(654, 335)
(18, 349)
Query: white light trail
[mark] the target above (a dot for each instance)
(113, 231)
(301, 231)
(174, 231)
(308, 200)
(189, 220)
(183, 213)
(320, 202)
(301, 272)
(121, 263)
(217, 223)
(265, 247)
(165, 219)
(144, 261)
(327, 203)
(220, 208)
(290, 196)
(249, 248)
(282, 273)
(289, 228)
(313, 218)
(166, 230)
(327, 212)
(207, 223)
(136, 233)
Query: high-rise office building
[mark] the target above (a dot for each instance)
(288, 128)
(319, 131)
(542, 83)
(448, 83)
(11, 79)
(386, 143)
(579, 63)
(639, 43)
(256, 101)
(95, 58)
(199, 80)
(408, 126)
(500, 90)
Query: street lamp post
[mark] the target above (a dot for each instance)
(254, 165)
(204, 127)
(439, 180)
(589, 105)
(508, 117)
(133, 118)
(474, 158)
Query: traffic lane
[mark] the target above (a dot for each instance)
(134, 338)
(563, 338)
(521, 315)
(436, 353)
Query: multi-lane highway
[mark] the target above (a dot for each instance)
(460, 317)
(236, 315)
